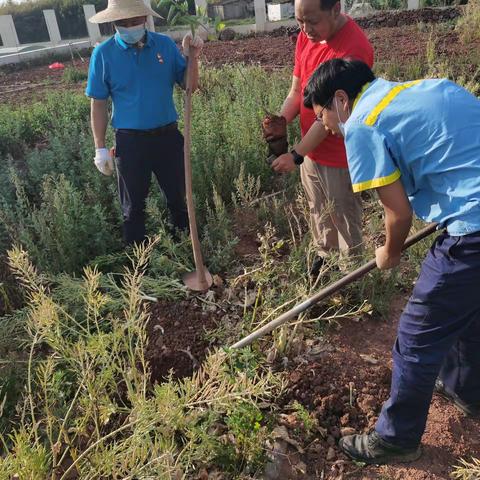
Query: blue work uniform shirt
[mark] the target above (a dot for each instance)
(139, 80)
(427, 133)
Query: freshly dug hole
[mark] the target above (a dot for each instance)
(176, 338)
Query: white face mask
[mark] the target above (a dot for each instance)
(341, 125)
(131, 35)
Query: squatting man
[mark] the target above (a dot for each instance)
(138, 70)
(418, 145)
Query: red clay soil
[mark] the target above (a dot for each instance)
(345, 388)
(27, 85)
(344, 384)
(391, 44)
(177, 338)
(275, 50)
(246, 228)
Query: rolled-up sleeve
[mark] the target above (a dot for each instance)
(370, 160)
(97, 84)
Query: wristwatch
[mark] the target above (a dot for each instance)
(297, 158)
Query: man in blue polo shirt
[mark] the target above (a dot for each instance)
(138, 69)
(418, 144)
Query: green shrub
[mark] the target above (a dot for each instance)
(52, 139)
(247, 451)
(65, 230)
(73, 75)
(87, 396)
(468, 25)
(218, 238)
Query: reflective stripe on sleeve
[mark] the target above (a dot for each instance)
(377, 182)
(386, 100)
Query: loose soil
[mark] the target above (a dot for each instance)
(342, 379)
(345, 387)
(177, 341)
(246, 229)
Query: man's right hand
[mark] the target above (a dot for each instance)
(385, 260)
(274, 127)
(103, 161)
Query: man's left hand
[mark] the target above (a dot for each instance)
(284, 163)
(386, 260)
(192, 46)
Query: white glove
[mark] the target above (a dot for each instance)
(103, 161)
(196, 42)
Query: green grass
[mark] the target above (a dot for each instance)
(73, 75)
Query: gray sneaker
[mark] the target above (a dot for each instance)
(371, 449)
(470, 410)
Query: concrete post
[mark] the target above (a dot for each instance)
(413, 4)
(92, 28)
(52, 26)
(8, 32)
(150, 24)
(260, 15)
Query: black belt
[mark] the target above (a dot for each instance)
(171, 127)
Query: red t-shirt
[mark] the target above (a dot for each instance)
(349, 42)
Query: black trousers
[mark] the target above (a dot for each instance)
(137, 156)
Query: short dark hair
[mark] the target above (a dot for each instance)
(327, 4)
(336, 74)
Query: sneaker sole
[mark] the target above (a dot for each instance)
(387, 459)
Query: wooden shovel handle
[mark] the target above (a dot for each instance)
(197, 252)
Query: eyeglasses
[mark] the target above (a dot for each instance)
(319, 116)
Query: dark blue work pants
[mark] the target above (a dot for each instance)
(137, 156)
(438, 335)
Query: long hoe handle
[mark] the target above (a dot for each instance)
(326, 292)
(202, 279)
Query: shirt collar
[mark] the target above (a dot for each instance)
(362, 91)
(125, 46)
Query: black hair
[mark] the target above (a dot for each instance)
(327, 4)
(336, 74)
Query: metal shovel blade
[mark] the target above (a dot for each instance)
(198, 281)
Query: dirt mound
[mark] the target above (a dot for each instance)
(399, 18)
(341, 393)
(177, 338)
(386, 18)
(263, 50)
(344, 393)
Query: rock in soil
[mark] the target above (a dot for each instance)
(227, 35)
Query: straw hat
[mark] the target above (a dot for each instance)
(122, 9)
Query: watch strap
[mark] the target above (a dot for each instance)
(297, 158)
